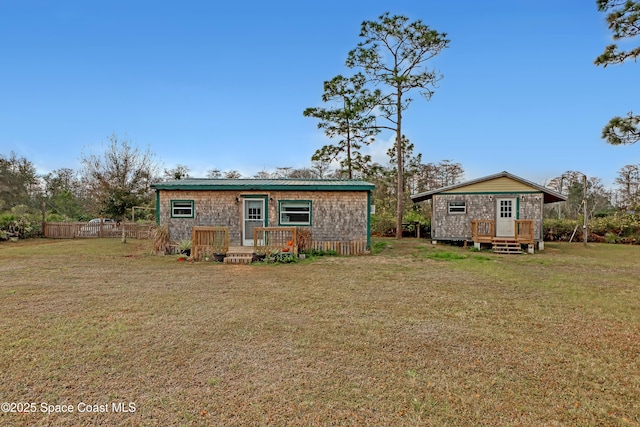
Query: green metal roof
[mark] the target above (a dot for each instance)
(265, 184)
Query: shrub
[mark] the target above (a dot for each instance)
(282, 258)
(558, 229)
(20, 223)
(303, 238)
(319, 252)
(412, 217)
(383, 225)
(378, 247)
(54, 217)
(621, 225)
(610, 238)
(617, 228)
(161, 240)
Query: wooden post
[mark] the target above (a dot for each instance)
(44, 218)
(584, 209)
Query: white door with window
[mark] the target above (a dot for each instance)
(253, 217)
(505, 217)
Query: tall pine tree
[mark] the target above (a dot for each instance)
(394, 53)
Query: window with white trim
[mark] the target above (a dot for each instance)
(182, 209)
(295, 212)
(457, 207)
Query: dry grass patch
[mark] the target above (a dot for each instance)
(405, 337)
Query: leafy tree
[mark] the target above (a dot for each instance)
(64, 194)
(571, 184)
(629, 186)
(350, 119)
(232, 174)
(437, 175)
(214, 173)
(289, 173)
(624, 20)
(119, 178)
(263, 174)
(217, 173)
(281, 172)
(598, 198)
(417, 177)
(18, 182)
(384, 196)
(622, 130)
(303, 173)
(321, 169)
(394, 53)
(179, 172)
(60, 180)
(410, 166)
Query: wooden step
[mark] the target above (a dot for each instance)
(238, 258)
(506, 246)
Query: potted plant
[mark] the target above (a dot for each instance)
(184, 247)
(258, 256)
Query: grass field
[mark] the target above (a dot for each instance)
(414, 335)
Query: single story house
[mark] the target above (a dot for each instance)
(335, 211)
(502, 209)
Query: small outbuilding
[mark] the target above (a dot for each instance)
(503, 210)
(334, 213)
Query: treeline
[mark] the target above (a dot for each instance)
(110, 183)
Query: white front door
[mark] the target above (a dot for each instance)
(253, 217)
(505, 216)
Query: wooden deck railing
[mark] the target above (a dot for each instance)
(207, 241)
(270, 240)
(482, 230)
(524, 230)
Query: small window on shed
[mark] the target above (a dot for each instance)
(182, 209)
(457, 207)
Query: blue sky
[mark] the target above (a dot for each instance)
(223, 84)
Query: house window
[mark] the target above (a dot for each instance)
(457, 207)
(182, 209)
(295, 212)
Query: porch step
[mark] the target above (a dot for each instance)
(239, 255)
(506, 246)
(238, 258)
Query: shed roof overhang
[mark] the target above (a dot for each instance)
(550, 196)
(265, 184)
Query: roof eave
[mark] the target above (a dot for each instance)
(550, 196)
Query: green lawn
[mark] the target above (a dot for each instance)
(414, 335)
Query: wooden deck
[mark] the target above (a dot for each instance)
(483, 231)
(209, 242)
(271, 240)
